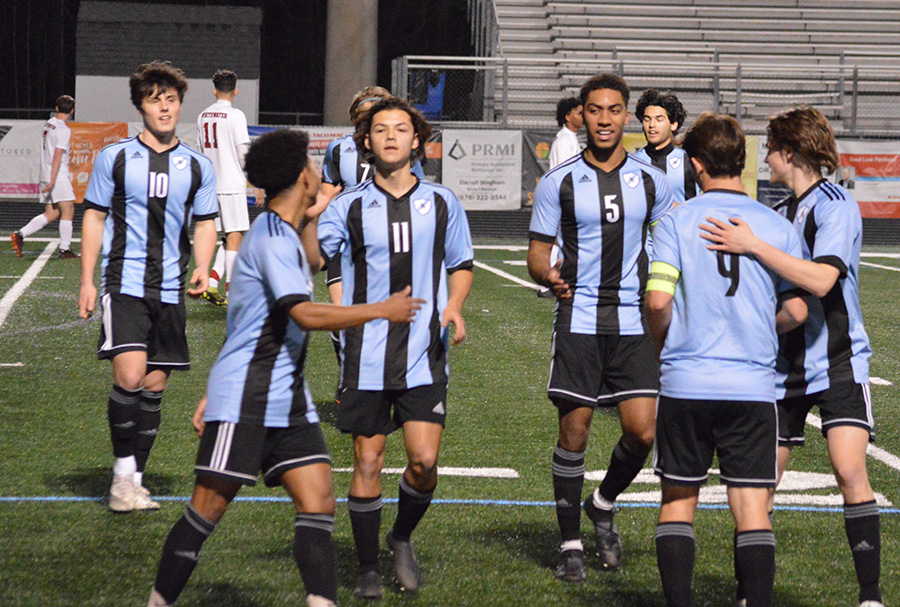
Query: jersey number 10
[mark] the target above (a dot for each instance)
(158, 186)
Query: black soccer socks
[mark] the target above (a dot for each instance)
(568, 482)
(675, 552)
(122, 412)
(863, 527)
(181, 553)
(148, 419)
(754, 560)
(365, 519)
(411, 507)
(623, 467)
(314, 554)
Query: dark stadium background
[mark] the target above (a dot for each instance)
(37, 46)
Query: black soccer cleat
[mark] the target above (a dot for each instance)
(68, 254)
(368, 586)
(609, 544)
(406, 567)
(571, 566)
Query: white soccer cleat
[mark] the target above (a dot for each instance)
(121, 494)
(314, 600)
(156, 600)
(871, 604)
(142, 499)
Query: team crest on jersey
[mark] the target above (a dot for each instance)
(422, 205)
(631, 179)
(675, 162)
(180, 162)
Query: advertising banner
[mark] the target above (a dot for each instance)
(88, 138)
(20, 158)
(483, 168)
(870, 170)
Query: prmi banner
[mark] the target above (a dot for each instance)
(483, 168)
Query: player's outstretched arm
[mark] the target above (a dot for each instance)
(204, 246)
(735, 236)
(543, 273)
(791, 314)
(399, 308)
(460, 285)
(91, 240)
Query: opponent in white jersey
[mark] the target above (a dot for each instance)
(56, 186)
(222, 136)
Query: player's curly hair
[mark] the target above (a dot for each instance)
(276, 159)
(420, 126)
(718, 142)
(370, 93)
(225, 81)
(65, 104)
(806, 133)
(667, 100)
(564, 106)
(605, 81)
(160, 75)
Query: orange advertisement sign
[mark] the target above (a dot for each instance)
(88, 138)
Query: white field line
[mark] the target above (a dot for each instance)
(885, 457)
(39, 277)
(875, 265)
(879, 381)
(12, 364)
(882, 255)
(507, 276)
(451, 471)
(500, 247)
(18, 289)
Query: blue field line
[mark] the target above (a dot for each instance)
(448, 501)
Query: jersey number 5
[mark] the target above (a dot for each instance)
(734, 272)
(612, 208)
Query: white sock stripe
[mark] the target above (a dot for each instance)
(129, 398)
(421, 496)
(572, 456)
(567, 471)
(198, 521)
(860, 510)
(755, 538)
(324, 522)
(674, 529)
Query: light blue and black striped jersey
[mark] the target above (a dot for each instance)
(345, 166)
(676, 164)
(258, 377)
(721, 343)
(832, 345)
(149, 199)
(389, 243)
(601, 222)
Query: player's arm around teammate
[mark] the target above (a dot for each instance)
(825, 363)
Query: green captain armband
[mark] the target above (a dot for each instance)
(663, 277)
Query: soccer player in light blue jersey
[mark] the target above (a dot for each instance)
(599, 205)
(661, 116)
(138, 206)
(258, 415)
(714, 317)
(396, 231)
(823, 364)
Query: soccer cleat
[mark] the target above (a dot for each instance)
(68, 254)
(609, 544)
(571, 566)
(156, 600)
(17, 239)
(122, 494)
(545, 293)
(213, 296)
(871, 604)
(142, 500)
(740, 603)
(368, 586)
(406, 567)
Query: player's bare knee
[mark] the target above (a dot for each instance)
(51, 215)
(423, 470)
(640, 442)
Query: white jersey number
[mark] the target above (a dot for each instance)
(159, 185)
(612, 208)
(400, 231)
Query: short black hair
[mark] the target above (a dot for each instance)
(718, 141)
(65, 104)
(225, 81)
(667, 100)
(564, 106)
(276, 159)
(420, 126)
(605, 81)
(160, 75)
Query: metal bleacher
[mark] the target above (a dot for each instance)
(745, 57)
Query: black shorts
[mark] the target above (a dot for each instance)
(134, 323)
(239, 452)
(742, 433)
(333, 270)
(602, 370)
(845, 404)
(368, 412)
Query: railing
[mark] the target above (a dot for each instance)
(498, 91)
